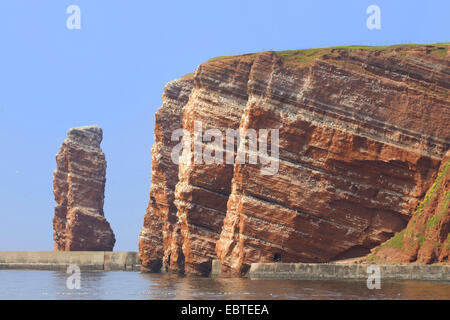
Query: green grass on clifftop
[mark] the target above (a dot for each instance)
(304, 56)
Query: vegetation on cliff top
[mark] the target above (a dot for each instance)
(309, 55)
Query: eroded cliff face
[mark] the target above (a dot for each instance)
(362, 132)
(426, 238)
(159, 234)
(78, 186)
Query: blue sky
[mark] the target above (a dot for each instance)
(112, 73)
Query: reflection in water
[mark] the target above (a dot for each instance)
(20, 284)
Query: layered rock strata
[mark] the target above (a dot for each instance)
(159, 234)
(426, 238)
(362, 133)
(78, 187)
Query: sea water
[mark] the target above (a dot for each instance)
(31, 284)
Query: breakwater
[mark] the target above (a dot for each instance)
(60, 260)
(129, 261)
(330, 271)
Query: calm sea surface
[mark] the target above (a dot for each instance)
(20, 284)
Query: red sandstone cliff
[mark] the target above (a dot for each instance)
(426, 238)
(160, 229)
(362, 133)
(78, 186)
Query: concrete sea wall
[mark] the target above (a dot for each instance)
(129, 261)
(60, 260)
(330, 271)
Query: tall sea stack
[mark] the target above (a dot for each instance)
(79, 187)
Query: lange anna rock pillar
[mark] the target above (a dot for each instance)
(79, 188)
